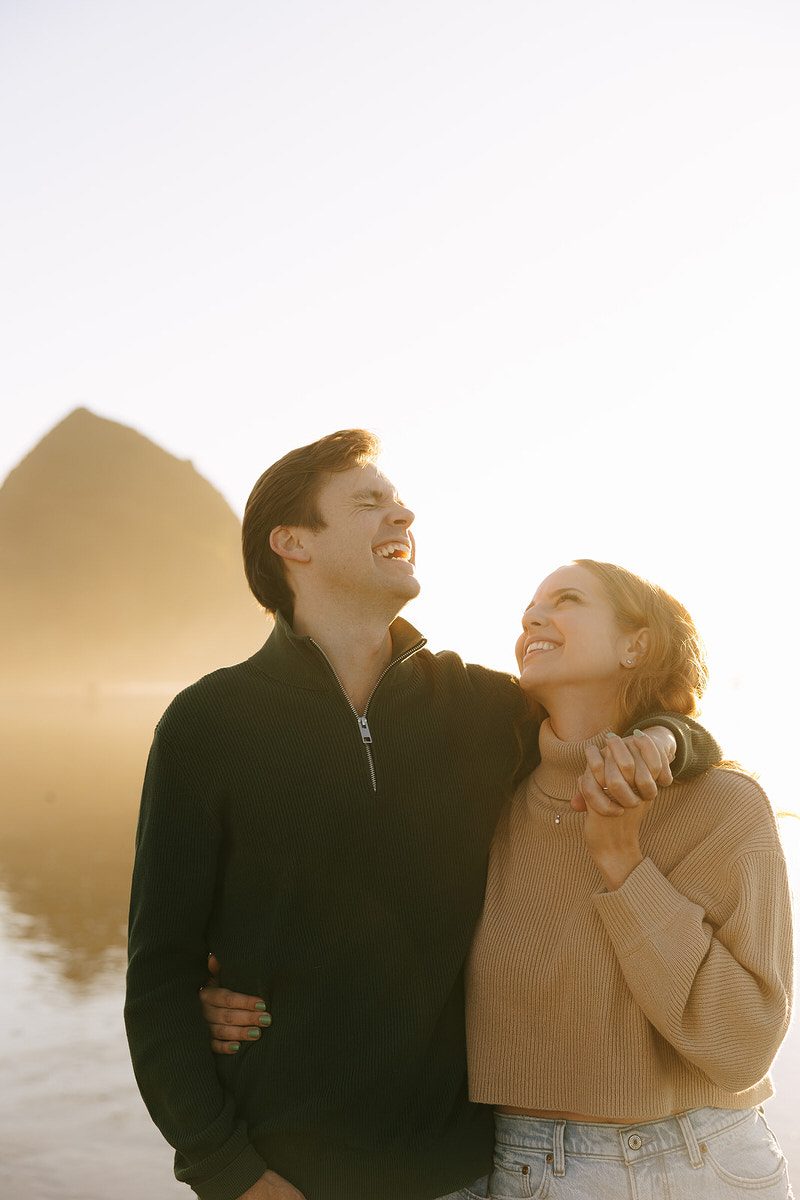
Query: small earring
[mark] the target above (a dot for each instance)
(629, 662)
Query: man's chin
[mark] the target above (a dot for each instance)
(405, 590)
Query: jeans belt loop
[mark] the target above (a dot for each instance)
(559, 1164)
(695, 1157)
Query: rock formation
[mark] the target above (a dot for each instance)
(119, 565)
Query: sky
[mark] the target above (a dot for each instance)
(549, 252)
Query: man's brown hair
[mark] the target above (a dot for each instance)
(288, 494)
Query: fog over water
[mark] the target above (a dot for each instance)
(73, 1125)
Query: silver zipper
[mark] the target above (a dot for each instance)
(363, 724)
(366, 736)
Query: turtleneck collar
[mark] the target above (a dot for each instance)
(562, 763)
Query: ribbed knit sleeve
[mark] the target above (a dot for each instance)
(721, 998)
(174, 879)
(696, 749)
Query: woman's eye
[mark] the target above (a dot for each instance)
(568, 596)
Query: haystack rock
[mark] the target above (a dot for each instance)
(119, 565)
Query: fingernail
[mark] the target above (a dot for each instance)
(233, 1046)
(253, 1034)
(265, 1020)
(261, 1006)
(638, 733)
(611, 734)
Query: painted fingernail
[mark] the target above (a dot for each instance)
(253, 1034)
(260, 1006)
(611, 734)
(265, 1020)
(638, 733)
(233, 1047)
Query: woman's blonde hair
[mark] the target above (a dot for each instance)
(672, 673)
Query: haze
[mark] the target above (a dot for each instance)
(549, 252)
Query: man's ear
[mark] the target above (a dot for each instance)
(287, 542)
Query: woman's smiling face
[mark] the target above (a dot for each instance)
(570, 636)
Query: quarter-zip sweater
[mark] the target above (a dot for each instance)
(340, 879)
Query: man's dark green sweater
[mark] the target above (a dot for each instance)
(340, 878)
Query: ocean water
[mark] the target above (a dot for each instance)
(72, 1124)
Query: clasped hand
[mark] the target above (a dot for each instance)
(615, 791)
(626, 771)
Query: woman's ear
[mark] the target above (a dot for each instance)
(635, 647)
(286, 541)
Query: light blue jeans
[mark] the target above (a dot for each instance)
(707, 1154)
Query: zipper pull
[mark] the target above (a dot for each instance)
(363, 727)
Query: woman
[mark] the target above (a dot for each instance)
(630, 980)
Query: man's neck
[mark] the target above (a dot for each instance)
(359, 649)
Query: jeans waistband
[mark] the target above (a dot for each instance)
(631, 1142)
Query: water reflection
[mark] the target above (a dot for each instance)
(69, 795)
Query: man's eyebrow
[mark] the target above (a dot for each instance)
(377, 494)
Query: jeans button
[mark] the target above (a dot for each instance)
(635, 1142)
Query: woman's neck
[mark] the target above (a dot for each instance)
(578, 713)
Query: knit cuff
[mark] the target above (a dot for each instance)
(679, 731)
(644, 904)
(239, 1175)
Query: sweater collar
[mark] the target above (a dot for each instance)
(562, 763)
(294, 659)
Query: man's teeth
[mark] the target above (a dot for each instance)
(394, 550)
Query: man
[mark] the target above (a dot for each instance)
(321, 815)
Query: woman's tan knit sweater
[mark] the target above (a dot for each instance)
(671, 993)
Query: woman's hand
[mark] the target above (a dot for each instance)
(627, 771)
(616, 791)
(613, 842)
(231, 1016)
